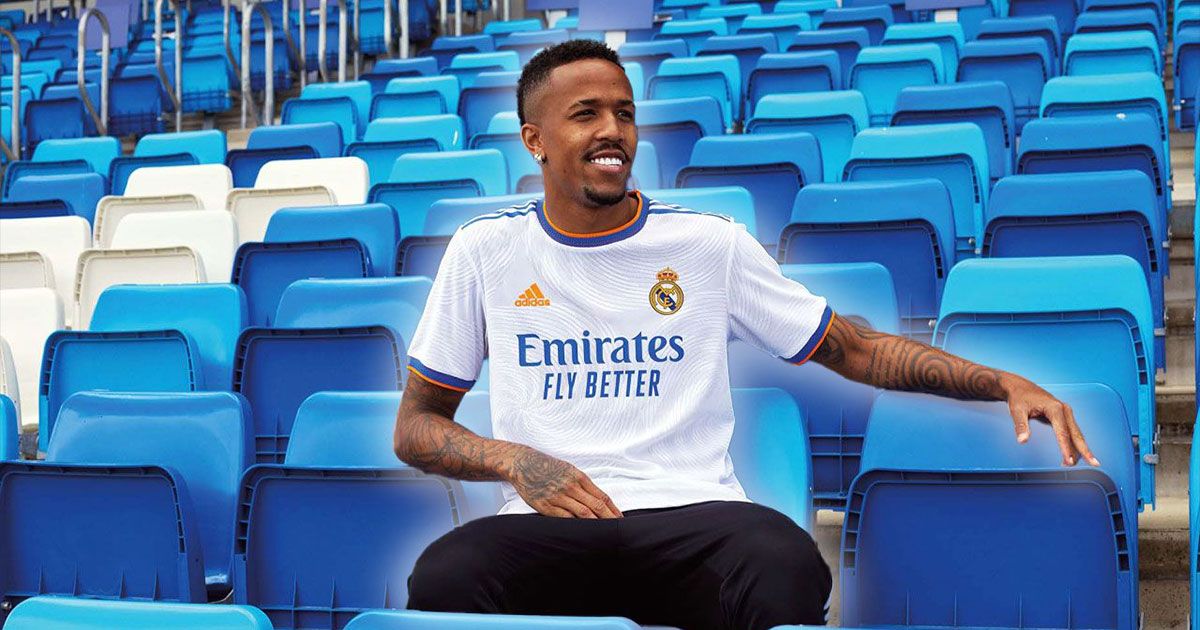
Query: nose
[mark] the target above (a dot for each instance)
(609, 128)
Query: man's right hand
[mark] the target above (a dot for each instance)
(555, 488)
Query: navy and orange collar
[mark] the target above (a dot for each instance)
(595, 239)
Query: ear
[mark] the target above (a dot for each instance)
(531, 136)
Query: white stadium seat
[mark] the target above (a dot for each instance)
(252, 208)
(30, 315)
(102, 268)
(213, 235)
(210, 183)
(113, 208)
(58, 239)
(346, 177)
(25, 270)
(8, 375)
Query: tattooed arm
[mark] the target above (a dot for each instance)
(428, 438)
(890, 362)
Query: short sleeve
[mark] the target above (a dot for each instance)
(449, 345)
(769, 310)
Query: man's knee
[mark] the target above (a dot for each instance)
(453, 574)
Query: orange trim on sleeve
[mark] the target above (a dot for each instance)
(636, 214)
(438, 383)
(828, 327)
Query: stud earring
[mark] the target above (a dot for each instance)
(541, 159)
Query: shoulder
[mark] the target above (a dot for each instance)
(512, 217)
(676, 213)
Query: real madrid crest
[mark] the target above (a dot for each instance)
(666, 297)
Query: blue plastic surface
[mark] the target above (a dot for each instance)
(948, 36)
(34, 209)
(1108, 94)
(1063, 11)
(416, 96)
(652, 53)
(734, 202)
(325, 138)
(212, 315)
(77, 613)
(1041, 26)
(204, 438)
(80, 191)
(446, 215)
(358, 92)
(393, 302)
(97, 152)
(985, 103)
(783, 26)
(1024, 64)
(419, 620)
(14, 171)
(10, 429)
(503, 134)
(1194, 528)
(207, 145)
(337, 109)
(715, 76)
(446, 47)
(387, 69)
(418, 180)
(875, 19)
(1186, 62)
(693, 32)
(834, 118)
(468, 66)
(526, 43)
(244, 164)
(492, 93)
(420, 255)
(264, 270)
(770, 455)
(773, 167)
(747, 48)
(846, 42)
(373, 224)
(1137, 18)
(122, 167)
(792, 73)
(674, 126)
(880, 72)
(1112, 53)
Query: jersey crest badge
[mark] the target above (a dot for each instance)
(666, 297)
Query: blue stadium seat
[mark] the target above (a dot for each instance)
(1064, 12)
(48, 119)
(717, 77)
(907, 226)
(526, 43)
(206, 82)
(834, 118)
(359, 93)
(208, 146)
(415, 619)
(24, 168)
(419, 179)
(985, 103)
(492, 93)
(650, 54)
(645, 170)
(1041, 26)
(792, 73)
(899, 13)
(1108, 94)
(875, 19)
(1024, 64)
(734, 14)
(880, 72)
(204, 438)
(325, 138)
(445, 47)
(337, 109)
(769, 450)
(846, 42)
(693, 32)
(211, 315)
(1112, 53)
(264, 270)
(954, 153)
(506, 27)
(372, 224)
(97, 152)
(783, 26)
(1156, 7)
(387, 69)
(773, 167)
(747, 48)
(504, 135)
(674, 126)
(446, 215)
(394, 302)
(1127, 20)
(388, 138)
(416, 96)
(244, 164)
(734, 202)
(637, 79)
(684, 9)
(961, 464)
(80, 191)
(1194, 527)
(468, 66)
(947, 35)
(77, 613)
(420, 255)
(34, 209)
(1187, 75)
(1087, 318)
(10, 429)
(122, 167)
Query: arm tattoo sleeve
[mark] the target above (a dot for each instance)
(892, 362)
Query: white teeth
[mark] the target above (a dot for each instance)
(607, 161)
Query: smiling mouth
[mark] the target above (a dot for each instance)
(607, 161)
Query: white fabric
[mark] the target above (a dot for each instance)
(346, 177)
(59, 239)
(25, 270)
(113, 208)
(210, 183)
(212, 234)
(102, 268)
(8, 376)
(27, 317)
(583, 366)
(254, 207)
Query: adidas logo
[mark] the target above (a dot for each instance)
(532, 296)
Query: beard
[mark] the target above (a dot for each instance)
(602, 199)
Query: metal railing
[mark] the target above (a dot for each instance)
(322, 27)
(225, 38)
(13, 152)
(101, 119)
(267, 115)
(175, 94)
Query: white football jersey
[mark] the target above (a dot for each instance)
(608, 350)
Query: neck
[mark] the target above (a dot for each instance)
(568, 215)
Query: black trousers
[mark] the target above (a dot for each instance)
(720, 565)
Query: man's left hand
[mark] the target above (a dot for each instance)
(1028, 401)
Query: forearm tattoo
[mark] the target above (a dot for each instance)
(893, 362)
(428, 438)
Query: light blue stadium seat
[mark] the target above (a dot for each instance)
(961, 463)
(815, 8)
(899, 13)
(1157, 7)
(770, 454)
(734, 202)
(645, 170)
(504, 135)
(337, 109)
(947, 35)
(1187, 75)
(492, 93)
(387, 69)
(1194, 528)
(652, 53)
(674, 126)
(846, 42)
(1142, 19)
(394, 302)
(80, 191)
(420, 255)
(876, 19)
(792, 73)
(206, 82)
(526, 43)
(784, 26)
(1063, 11)
(388, 138)
(325, 138)
(468, 66)
(445, 47)
(14, 171)
(1112, 53)
(10, 429)
(203, 437)
(1109, 94)
(1089, 318)
(264, 270)
(208, 146)
(747, 48)
(419, 179)
(211, 315)
(773, 167)
(419, 620)
(1024, 64)
(834, 118)
(833, 409)
(717, 77)
(985, 103)
(97, 152)
(359, 93)
(637, 79)
(78, 613)
(954, 153)
(685, 9)
(880, 72)
(693, 32)
(372, 224)
(416, 96)
(446, 215)
(734, 14)
(53, 118)
(907, 226)
(506, 27)
(122, 167)
(1041, 26)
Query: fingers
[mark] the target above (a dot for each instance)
(1077, 440)
(1058, 420)
(1020, 423)
(594, 504)
(573, 507)
(610, 510)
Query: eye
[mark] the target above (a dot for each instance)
(584, 113)
(625, 114)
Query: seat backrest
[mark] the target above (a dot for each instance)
(445, 129)
(99, 269)
(793, 72)
(875, 19)
(10, 416)
(769, 450)
(204, 437)
(60, 240)
(98, 152)
(211, 314)
(25, 270)
(880, 72)
(1111, 53)
(346, 177)
(505, 27)
(485, 167)
(948, 36)
(784, 26)
(649, 54)
(446, 215)
(1041, 26)
(374, 225)
(24, 168)
(445, 86)
(264, 270)
(359, 93)
(324, 137)
(691, 77)
(400, 619)
(846, 42)
(734, 202)
(36, 313)
(985, 103)
(111, 209)
(337, 429)
(674, 126)
(210, 183)
(693, 32)
(121, 168)
(80, 191)
(213, 236)
(394, 302)
(834, 118)
(254, 207)
(93, 614)
(1115, 93)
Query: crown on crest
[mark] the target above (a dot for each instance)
(668, 275)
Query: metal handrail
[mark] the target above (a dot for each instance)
(176, 94)
(302, 58)
(100, 119)
(225, 30)
(354, 37)
(287, 31)
(343, 17)
(267, 115)
(457, 18)
(404, 51)
(14, 152)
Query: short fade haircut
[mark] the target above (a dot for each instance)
(538, 70)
